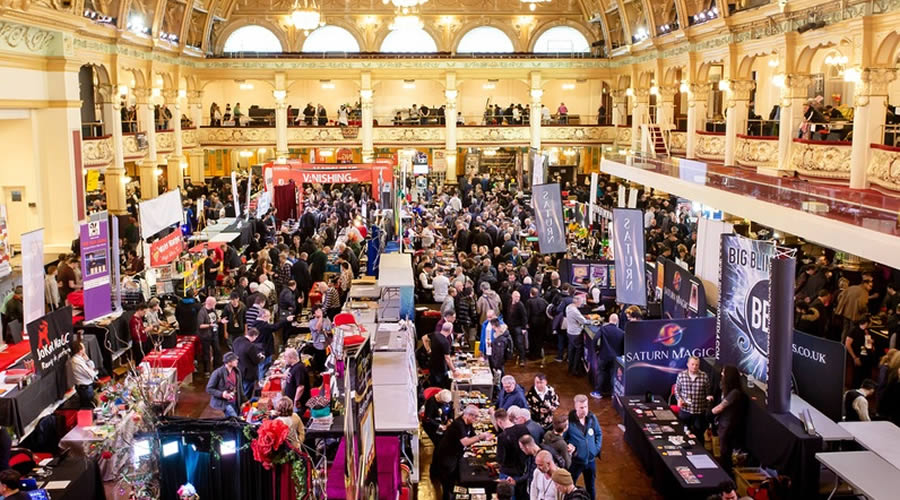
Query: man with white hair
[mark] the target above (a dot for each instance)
(438, 415)
(522, 416)
(296, 380)
(460, 434)
(542, 485)
(575, 322)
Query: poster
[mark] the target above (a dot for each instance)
(743, 319)
(818, 372)
(160, 213)
(92, 182)
(360, 473)
(628, 247)
(549, 220)
(600, 275)
(657, 351)
(234, 194)
(33, 274)
(681, 292)
(580, 274)
(5, 268)
(51, 338)
(95, 267)
(167, 249)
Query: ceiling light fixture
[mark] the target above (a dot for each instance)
(491, 84)
(836, 60)
(568, 86)
(306, 17)
(327, 84)
(406, 22)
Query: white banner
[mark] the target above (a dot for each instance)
(249, 190)
(537, 169)
(632, 197)
(160, 213)
(620, 201)
(593, 198)
(265, 200)
(708, 244)
(33, 275)
(234, 194)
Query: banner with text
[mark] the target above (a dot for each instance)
(742, 330)
(234, 194)
(657, 351)
(33, 274)
(683, 295)
(95, 262)
(167, 249)
(628, 248)
(818, 370)
(549, 217)
(51, 339)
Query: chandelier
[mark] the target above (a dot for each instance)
(532, 4)
(404, 4)
(307, 17)
(406, 22)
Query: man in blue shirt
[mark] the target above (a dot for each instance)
(584, 438)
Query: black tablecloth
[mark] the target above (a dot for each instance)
(18, 408)
(662, 467)
(472, 474)
(84, 476)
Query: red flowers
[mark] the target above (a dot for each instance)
(270, 436)
(106, 455)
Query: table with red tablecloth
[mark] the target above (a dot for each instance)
(180, 357)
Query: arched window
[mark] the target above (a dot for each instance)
(252, 38)
(564, 39)
(408, 40)
(330, 39)
(485, 39)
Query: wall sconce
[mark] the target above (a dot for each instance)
(568, 86)
(327, 84)
(182, 93)
(409, 84)
(724, 86)
(852, 75)
(279, 95)
(629, 92)
(778, 81)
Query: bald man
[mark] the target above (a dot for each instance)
(542, 485)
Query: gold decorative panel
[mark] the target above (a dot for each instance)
(393, 135)
(677, 142)
(884, 168)
(755, 152)
(711, 147)
(829, 161)
(97, 152)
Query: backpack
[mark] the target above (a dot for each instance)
(501, 349)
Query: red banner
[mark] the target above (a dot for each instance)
(167, 249)
(309, 173)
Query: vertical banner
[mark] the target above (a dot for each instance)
(537, 168)
(620, 201)
(234, 194)
(116, 268)
(781, 334)
(632, 198)
(593, 198)
(33, 274)
(549, 218)
(709, 238)
(818, 368)
(360, 475)
(51, 338)
(628, 248)
(5, 269)
(657, 351)
(742, 331)
(249, 191)
(683, 295)
(95, 265)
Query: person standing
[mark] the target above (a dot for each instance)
(517, 320)
(51, 289)
(853, 304)
(296, 380)
(249, 357)
(860, 350)
(440, 285)
(141, 344)
(565, 486)
(223, 386)
(208, 334)
(537, 322)
(693, 394)
(300, 273)
(575, 322)
(730, 414)
(85, 375)
(585, 440)
(856, 403)
(542, 485)
(319, 327)
(543, 401)
(459, 435)
(234, 313)
(441, 362)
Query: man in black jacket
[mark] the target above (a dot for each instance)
(208, 323)
(537, 322)
(223, 386)
(300, 273)
(249, 357)
(266, 339)
(233, 314)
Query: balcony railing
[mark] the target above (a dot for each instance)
(754, 151)
(884, 167)
(710, 145)
(821, 159)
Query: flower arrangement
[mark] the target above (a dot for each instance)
(270, 447)
(271, 435)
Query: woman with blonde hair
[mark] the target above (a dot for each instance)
(284, 411)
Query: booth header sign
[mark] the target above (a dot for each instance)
(683, 295)
(818, 370)
(95, 263)
(628, 249)
(657, 351)
(165, 250)
(51, 339)
(547, 201)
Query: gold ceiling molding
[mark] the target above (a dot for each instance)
(38, 103)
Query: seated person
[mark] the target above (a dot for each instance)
(10, 482)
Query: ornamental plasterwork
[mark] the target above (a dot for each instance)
(678, 142)
(493, 134)
(165, 141)
(874, 82)
(20, 38)
(129, 144)
(831, 161)
(189, 138)
(579, 134)
(710, 147)
(307, 135)
(408, 134)
(756, 152)
(97, 152)
(237, 135)
(623, 136)
(884, 169)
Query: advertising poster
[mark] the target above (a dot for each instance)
(580, 273)
(51, 339)
(165, 250)
(360, 473)
(5, 268)
(549, 219)
(657, 351)
(683, 295)
(742, 331)
(33, 275)
(818, 372)
(628, 247)
(600, 275)
(95, 267)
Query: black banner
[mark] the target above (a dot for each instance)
(51, 340)
(818, 369)
(683, 294)
(781, 331)
(551, 231)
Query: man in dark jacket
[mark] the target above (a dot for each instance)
(537, 322)
(249, 356)
(509, 455)
(208, 323)
(611, 344)
(317, 262)
(300, 273)
(234, 315)
(266, 339)
(223, 387)
(186, 314)
(585, 436)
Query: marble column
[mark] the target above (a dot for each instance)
(696, 115)
(147, 166)
(793, 95)
(196, 166)
(619, 108)
(736, 116)
(665, 111)
(115, 173)
(174, 172)
(195, 105)
(451, 95)
(870, 101)
(281, 127)
(535, 114)
(640, 116)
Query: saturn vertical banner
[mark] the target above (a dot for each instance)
(548, 209)
(628, 248)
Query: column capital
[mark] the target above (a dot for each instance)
(170, 95)
(796, 86)
(619, 95)
(451, 95)
(280, 105)
(699, 92)
(874, 82)
(141, 96)
(641, 96)
(740, 89)
(667, 94)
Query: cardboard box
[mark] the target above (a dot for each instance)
(746, 477)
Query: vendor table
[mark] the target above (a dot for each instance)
(881, 437)
(21, 408)
(671, 466)
(826, 428)
(865, 471)
(75, 478)
(181, 357)
(79, 439)
(365, 292)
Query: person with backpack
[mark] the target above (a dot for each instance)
(565, 486)
(495, 344)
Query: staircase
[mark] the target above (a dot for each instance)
(657, 139)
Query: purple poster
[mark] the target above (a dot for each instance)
(95, 264)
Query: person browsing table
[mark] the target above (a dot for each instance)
(693, 394)
(223, 386)
(85, 375)
(459, 435)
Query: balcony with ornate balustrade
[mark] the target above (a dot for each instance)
(825, 160)
(756, 151)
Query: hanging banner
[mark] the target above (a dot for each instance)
(628, 248)
(683, 295)
(51, 338)
(547, 201)
(782, 270)
(33, 274)
(161, 212)
(5, 269)
(709, 237)
(818, 372)
(263, 204)
(593, 198)
(657, 351)
(249, 209)
(742, 330)
(234, 195)
(95, 264)
(620, 199)
(537, 168)
(632, 198)
(165, 250)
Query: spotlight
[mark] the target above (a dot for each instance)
(170, 448)
(227, 448)
(141, 449)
